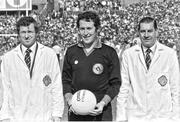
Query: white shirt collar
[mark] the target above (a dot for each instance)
(33, 47)
(153, 48)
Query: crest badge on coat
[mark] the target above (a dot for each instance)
(47, 80)
(162, 80)
(98, 68)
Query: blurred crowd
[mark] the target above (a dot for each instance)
(118, 27)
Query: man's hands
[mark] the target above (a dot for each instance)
(98, 109)
(68, 97)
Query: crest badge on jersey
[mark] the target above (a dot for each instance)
(98, 68)
(162, 80)
(76, 62)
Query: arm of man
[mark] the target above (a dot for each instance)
(123, 93)
(57, 89)
(66, 75)
(114, 77)
(68, 97)
(174, 83)
(5, 110)
(67, 80)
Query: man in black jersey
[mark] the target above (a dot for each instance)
(91, 65)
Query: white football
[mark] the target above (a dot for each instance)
(83, 101)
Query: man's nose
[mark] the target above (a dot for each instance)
(26, 35)
(146, 34)
(85, 32)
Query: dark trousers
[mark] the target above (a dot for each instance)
(105, 116)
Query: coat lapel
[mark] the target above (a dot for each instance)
(159, 48)
(39, 50)
(141, 56)
(20, 54)
(38, 54)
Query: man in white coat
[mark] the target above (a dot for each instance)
(1, 88)
(31, 79)
(150, 79)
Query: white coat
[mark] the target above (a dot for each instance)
(28, 99)
(149, 94)
(1, 92)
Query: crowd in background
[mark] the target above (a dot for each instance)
(118, 27)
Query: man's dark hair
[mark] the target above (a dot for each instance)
(26, 21)
(148, 20)
(89, 16)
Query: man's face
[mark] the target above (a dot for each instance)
(148, 34)
(27, 35)
(87, 31)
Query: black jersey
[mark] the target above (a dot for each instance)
(98, 72)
